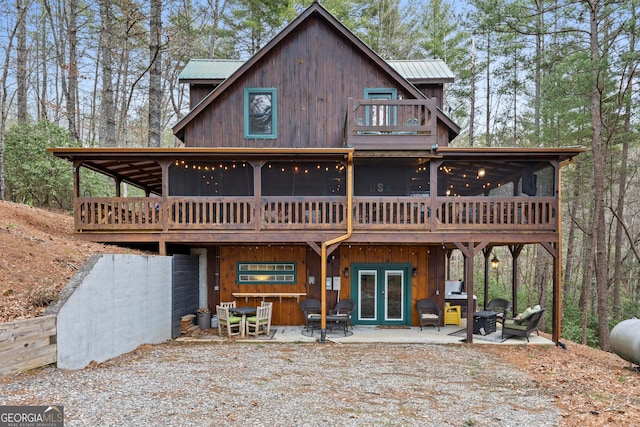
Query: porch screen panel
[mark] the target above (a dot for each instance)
(210, 178)
(391, 177)
(303, 178)
(367, 291)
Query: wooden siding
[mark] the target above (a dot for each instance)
(285, 312)
(315, 72)
(425, 259)
(197, 93)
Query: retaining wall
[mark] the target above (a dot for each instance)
(112, 305)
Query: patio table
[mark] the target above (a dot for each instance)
(484, 322)
(243, 311)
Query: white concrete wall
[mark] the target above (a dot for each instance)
(113, 305)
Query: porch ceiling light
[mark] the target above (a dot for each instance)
(481, 172)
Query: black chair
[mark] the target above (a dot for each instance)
(345, 306)
(501, 306)
(429, 313)
(524, 326)
(311, 308)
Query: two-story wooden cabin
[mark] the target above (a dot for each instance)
(317, 169)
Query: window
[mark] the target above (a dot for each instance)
(266, 272)
(260, 113)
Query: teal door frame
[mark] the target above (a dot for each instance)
(379, 270)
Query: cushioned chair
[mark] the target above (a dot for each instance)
(227, 322)
(345, 306)
(501, 306)
(311, 308)
(231, 304)
(260, 323)
(429, 313)
(524, 324)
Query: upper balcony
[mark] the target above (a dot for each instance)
(380, 124)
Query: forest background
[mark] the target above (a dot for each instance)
(529, 73)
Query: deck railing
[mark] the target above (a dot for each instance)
(492, 212)
(118, 213)
(316, 213)
(380, 123)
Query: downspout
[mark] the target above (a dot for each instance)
(323, 252)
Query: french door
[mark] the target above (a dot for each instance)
(382, 293)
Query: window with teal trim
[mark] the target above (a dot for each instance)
(255, 273)
(260, 113)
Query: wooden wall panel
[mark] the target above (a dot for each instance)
(429, 261)
(286, 312)
(315, 72)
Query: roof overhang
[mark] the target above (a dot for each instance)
(562, 154)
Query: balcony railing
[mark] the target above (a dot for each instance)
(391, 124)
(395, 214)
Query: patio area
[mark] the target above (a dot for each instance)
(450, 334)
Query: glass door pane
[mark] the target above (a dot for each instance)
(394, 295)
(367, 294)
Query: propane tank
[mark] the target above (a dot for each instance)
(625, 340)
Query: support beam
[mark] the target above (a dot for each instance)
(515, 251)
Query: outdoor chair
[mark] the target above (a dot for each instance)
(260, 323)
(311, 308)
(524, 324)
(501, 306)
(230, 323)
(231, 304)
(429, 313)
(346, 307)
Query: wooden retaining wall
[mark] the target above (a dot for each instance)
(27, 344)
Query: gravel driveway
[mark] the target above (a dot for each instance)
(291, 384)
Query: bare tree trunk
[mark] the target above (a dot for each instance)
(217, 11)
(3, 106)
(622, 179)
(72, 100)
(44, 73)
(541, 276)
(472, 95)
(488, 116)
(155, 73)
(107, 133)
(21, 60)
(598, 228)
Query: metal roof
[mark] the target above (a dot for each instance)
(420, 70)
(423, 70)
(209, 69)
